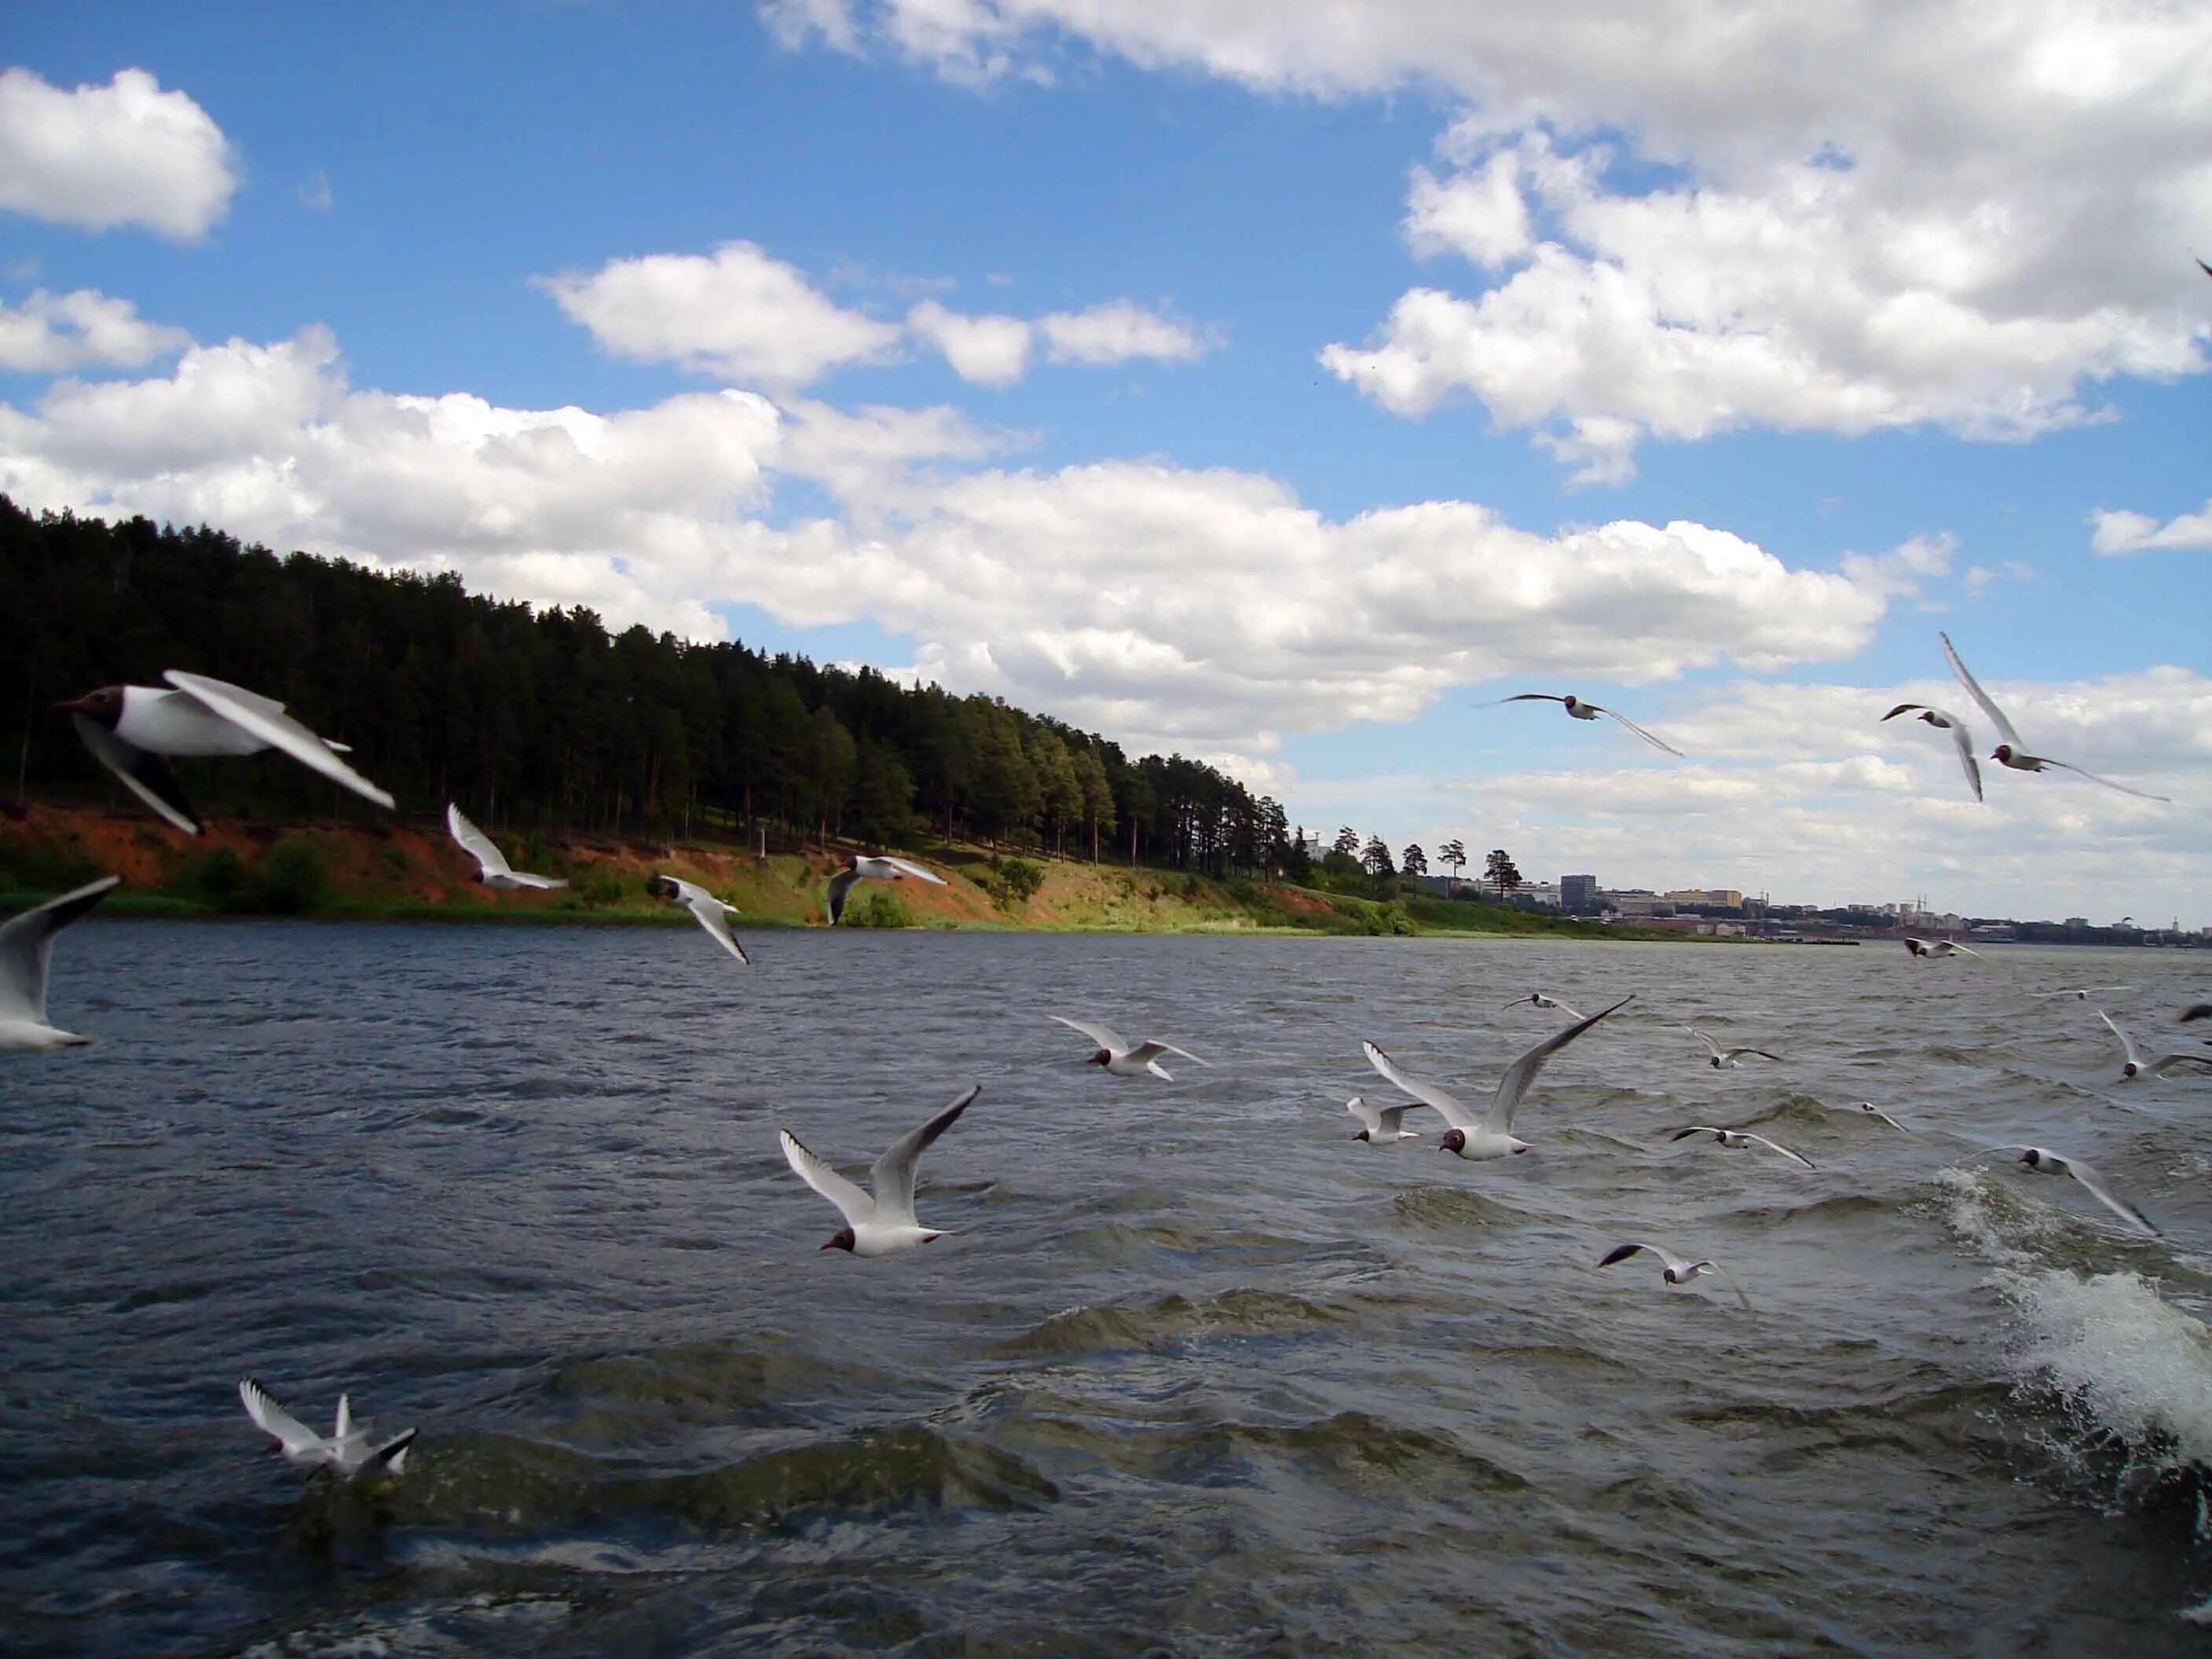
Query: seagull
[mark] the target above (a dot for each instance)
(1674, 1270)
(1384, 1123)
(1538, 998)
(1943, 720)
(495, 871)
(2050, 1163)
(2008, 751)
(1119, 1057)
(882, 869)
(714, 915)
(1726, 1058)
(1589, 711)
(2135, 1063)
(1737, 1139)
(883, 1224)
(1873, 1111)
(1491, 1134)
(27, 943)
(2083, 992)
(346, 1453)
(130, 728)
(1938, 947)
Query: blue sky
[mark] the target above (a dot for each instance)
(1338, 355)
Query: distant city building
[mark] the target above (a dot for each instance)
(1578, 892)
(1713, 898)
(1546, 893)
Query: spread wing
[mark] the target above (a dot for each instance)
(1455, 1111)
(914, 869)
(840, 885)
(476, 844)
(1777, 1147)
(26, 945)
(892, 1178)
(143, 772)
(1527, 696)
(1718, 1052)
(1383, 1122)
(711, 913)
(2106, 1196)
(296, 1437)
(1522, 1071)
(1151, 1049)
(1657, 743)
(855, 1205)
(2166, 1063)
(1974, 690)
(389, 1458)
(1761, 1053)
(2127, 1042)
(2140, 795)
(267, 722)
(1962, 738)
(1104, 1035)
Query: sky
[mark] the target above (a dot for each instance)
(1277, 384)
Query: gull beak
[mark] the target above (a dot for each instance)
(74, 705)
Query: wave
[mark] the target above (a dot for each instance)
(1172, 1320)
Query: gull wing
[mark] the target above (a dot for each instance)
(1974, 690)
(2166, 1063)
(840, 885)
(1383, 1122)
(2106, 1196)
(2140, 795)
(711, 913)
(388, 1458)
(1104, 1035)
(528, 880)
(1761, 1053)
(1714, 1266)
(1959, 736)
(140, 771)
(2194, 1011)
(1151, 1049)
(1965, 951)
(1455, 1111)
(1499, 1120)
(2127, 1042)
(1525, 696)
(914, 869)
(1657, 743)
(26, 945)
(296, 1437)
(267, 722)
(892, 1178)
(1873, 1111)
(1719, 1052)
(855, 1205)
(476, 844)
(1776, 1145)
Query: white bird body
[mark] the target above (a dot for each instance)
(711, 912)
(130, 729)
(1938, 947)
(346, 1451)
(2046, 1162)
(2010, 751)
(1578, 709)
(875, 867)
(1121, 1057)
(27, 946)
(1491, 1135)
(1674, 1270)
(1542, 999)
(881, 1222)
(493, 870)
(1386, 1125)
(1726, 1059)
(1737, 1139)
(2133, 1064)
(1943, 720)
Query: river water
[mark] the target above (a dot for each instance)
(1197, 1374)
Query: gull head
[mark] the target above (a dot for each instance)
(2129, 1068)
(1454, 1140)
(1099, 1059)
(842, 1241)
(663, 886)
(105, 705)
(1716, 1062)
(2001, 752)
(2032, 1158)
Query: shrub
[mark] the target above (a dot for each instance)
(596, 883)
(878, 909)
(293, 878)
(1012, 882)
(220, 877)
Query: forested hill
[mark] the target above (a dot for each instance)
(540, 718)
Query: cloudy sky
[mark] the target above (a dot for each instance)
(1276, 383)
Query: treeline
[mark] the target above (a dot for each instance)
(541, 719)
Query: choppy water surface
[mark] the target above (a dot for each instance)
(1198, 1375)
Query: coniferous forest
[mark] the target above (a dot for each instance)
(541, 719)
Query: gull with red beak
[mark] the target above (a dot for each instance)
(884, 1224)
(1121, 1057)
(1490, 1135)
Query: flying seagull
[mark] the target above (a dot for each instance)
(1938, 947)
(2133, 1063)
(1726, 1059)
(1737, 1139)
(27, 944)
(1873, 1111)
(1385, 1124)
(2083, 992)
(493, 871)
(1589, 711)
(1674, 1270)
(2050, 1163)
(883, 1224)
(864, 867)
(1539, 999)
(713, 914)
(346, 1452)
(131, 728)
(2008, 751)
(1490, 1135)
(1943, 722)
(1121, 1058)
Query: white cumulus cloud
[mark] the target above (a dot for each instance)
(2123, 532)
(123, 153)
(58, 333)
(1117, 331)
(990, 351)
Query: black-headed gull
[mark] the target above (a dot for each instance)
(1589, 711)
(1121, 1058)
(1674, 1270)
(345, 1451)
(131, 728)
(712, 914)
(1725, 1059)
(2049, 1163)
(867, 867)
(883, 1224)
(1490, 1135)
(1942, 720)
(1386, 1125)
(1938, 947)
(1737, 1139)
(2083, 992)
(2133, 1064)
(1873, 1111)
(26, 945)
(2010, 751)
(1542, 999)
(493, 869)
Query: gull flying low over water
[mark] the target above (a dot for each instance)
(1725, 1059)
(1674, 1270)
(2133, 1064)
(1385, 1124)
(2049, 1163)
(713, 914)
(345, 1452)
(1938, 947)
(1589, 711)
(130, 728)
(1873, 1111)
(2083, 992)
(1737, 1139)
(493, 869)
(26, 945)
(1122, 1059)
(1490, 1135)
(1944, 721)
(882, 1224)
(1542, 999)
(2009, 750)
(865, 867)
